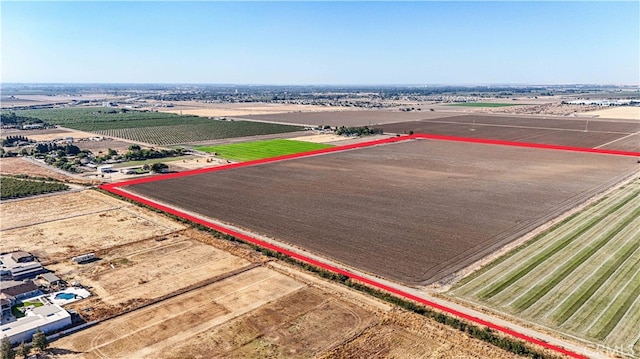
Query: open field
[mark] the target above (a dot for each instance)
(415, 212)
(600, 133)
(263, 313)
(242, 109)
(153, 127)
(247, 151)
(59, 227)
(482, 104)
(14, 166)
(581, 277)
(621, 112)
(147, 270)
(350, 118)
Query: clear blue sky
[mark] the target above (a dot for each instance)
(321, 42)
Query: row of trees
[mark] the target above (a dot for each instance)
(11, 141)
(137, 153)
(11, 119)
(358, 131)
(16, 188)
(39, 341)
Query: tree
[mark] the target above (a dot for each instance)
(6, 349)
(23, 350)
(134, 148)
(159, 167)
(39, 340)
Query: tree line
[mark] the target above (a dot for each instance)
(38, 341)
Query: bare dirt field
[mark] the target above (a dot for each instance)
(622, 112)
(147, 331)
(262, 313)
(148, 269)
(242, 109)
(20, 166)
(415, 212)
(62, 226)
(600, 133)
(31, 100)
(349, 118)
(48, 134)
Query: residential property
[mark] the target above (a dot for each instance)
(19, 265)
(47, 318)
(49, 280)
(19, 289)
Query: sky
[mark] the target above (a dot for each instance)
(321, 43)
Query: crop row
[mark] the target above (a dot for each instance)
(186, 133)
(581, 276)
(15, 188)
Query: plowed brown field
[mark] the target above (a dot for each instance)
(621, 135)
(415, 212)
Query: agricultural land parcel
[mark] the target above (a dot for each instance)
(415, 212)
(262, 149)
(582, 277)
(153, 127)
(230, 303)
(621, 135)
(11, 187)
(482, 104)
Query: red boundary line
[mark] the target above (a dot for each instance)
(115, 188)
(369, 144)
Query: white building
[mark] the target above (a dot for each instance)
(47, 318)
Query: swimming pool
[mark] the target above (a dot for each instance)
(66, 296)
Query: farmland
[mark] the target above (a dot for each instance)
(69, 224)
(185, 293)
(15, 188)
(349, 118)
(153, 127)
(415, 212)
(482, 104)
(247, 151)
(591, 133)
(581, 277)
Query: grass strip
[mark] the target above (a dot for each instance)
(540, 290)
(579, 298)
(622, 310)
(556, 247)
(485, 334)
(262, 149)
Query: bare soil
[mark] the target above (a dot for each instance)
(148, 269)
(584, 132)
(414, 212)
(350, 118)
(622, 112)
(19, 166)
(56, 228)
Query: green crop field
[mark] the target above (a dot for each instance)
(16, 188)
(153, 127)
(482, 104)
(581, 277)
(262, 149)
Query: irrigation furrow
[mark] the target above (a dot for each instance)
(552, 250)
(582, 256)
